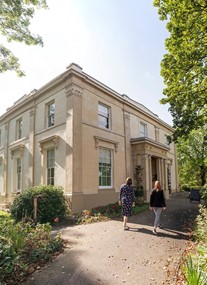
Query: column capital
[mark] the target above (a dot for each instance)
(32, 111)
(126, 115)
(74, 90)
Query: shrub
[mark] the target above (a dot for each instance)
(185, 187)
(104, 213)
(201, 225)
(51, 204)
(24, 244)
(204, 194)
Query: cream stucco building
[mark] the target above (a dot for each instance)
(80, 134)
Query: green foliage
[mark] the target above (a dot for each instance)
(201, 222)
(104, 213)
(51, 204)
(193, 273)
(138, 191)
(192, 158)
(184, 67)
(24, 244)
(4, 216)
(185, 187)
(15, 19)
(204, 194)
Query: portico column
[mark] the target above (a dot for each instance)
(150, 171)
(145, 166)
(128, 155)
(162, 173)
(165, 179)
(159, 169)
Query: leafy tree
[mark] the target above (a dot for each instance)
(184, 67)
(192, 158)
(15, 16)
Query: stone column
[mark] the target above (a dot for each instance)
(5, 163)
(165, 179)
(31, 148)
(128, 154)
(74, 95)
(159, 169)
(162, 173)
(150, 171)
(145, 177)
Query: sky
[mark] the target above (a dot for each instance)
(118, 42)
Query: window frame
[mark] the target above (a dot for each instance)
(19, 124)
(50, 171)
(50, 114)
(142, 133)
(18, 174)
(166, 142)
(107, 118)
(106, 186)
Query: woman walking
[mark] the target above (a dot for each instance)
(126, 200)
(157, 204)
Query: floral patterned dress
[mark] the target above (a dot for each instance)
(126, 197)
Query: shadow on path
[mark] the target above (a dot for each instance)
(104, 254)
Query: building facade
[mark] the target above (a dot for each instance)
(77, 133)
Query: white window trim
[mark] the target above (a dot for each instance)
(112, 167)
(46, 144)
(47, 115)
(145, 129)
(109, 111)
(18, 129)
(46, 168)
(16, 175)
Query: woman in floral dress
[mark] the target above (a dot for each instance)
(126, 200)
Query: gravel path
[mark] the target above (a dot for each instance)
(104, 254)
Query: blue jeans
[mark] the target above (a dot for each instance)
(157, 212)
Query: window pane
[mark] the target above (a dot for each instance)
(142, 130)
(103, 122)
(51, 167)
(19, 174)
(51, 114)
(19, 129)
(105, 167)
(103, 116)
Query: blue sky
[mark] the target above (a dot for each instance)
(118, 42)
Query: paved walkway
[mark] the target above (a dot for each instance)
(103, 254)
